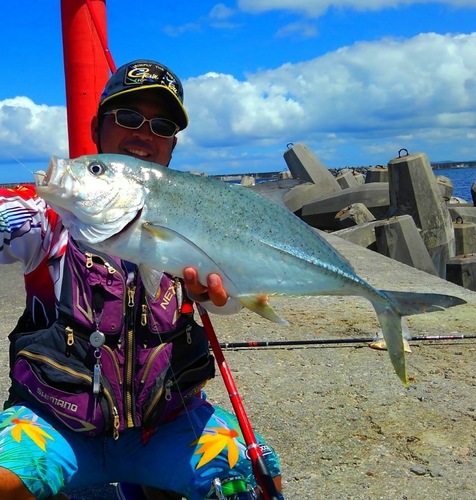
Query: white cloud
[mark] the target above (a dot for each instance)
(356, 105)
(316, 8)
(220, 11)
(29, 130)
(370, 87)
(298, 29)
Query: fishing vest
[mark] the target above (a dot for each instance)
(116, 358)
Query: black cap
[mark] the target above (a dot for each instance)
(142, 75)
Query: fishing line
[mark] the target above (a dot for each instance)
(17, 160)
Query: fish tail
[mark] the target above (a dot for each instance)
(394, 327)
(410, 303)
(392, 306)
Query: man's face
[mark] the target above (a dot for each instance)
(142, 142)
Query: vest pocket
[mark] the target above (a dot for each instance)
(172, 393)
(60, 384)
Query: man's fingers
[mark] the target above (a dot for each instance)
(216, 291)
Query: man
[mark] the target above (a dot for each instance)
(110, 389)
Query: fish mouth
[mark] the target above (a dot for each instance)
(42, 178)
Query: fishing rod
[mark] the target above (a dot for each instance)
(260, 469)
(284, 343)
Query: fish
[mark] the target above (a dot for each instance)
(165, 220)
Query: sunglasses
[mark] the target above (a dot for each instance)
(133, 120)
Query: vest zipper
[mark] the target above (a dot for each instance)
(129, 360)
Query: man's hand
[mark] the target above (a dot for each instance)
(214, 289)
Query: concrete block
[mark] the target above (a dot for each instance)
(304, 165)
(346, 179)
(414, 191)
(247, 181)
(461, 270)
(300, 195)
(359, 177)
(285, 174)
(276, 190)
(462, 214)
(353, 215)
(445, 186)
(362, 235)
(399, 239)
(321, 212)
(455, 201)
(465, 238)
(376, 174)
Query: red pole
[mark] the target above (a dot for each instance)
(85, 69)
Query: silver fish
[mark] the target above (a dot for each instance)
(166, 220)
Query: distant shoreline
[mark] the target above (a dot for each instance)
(276, 175)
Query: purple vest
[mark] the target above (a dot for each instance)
(116, 358)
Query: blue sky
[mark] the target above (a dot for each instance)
(355, 80)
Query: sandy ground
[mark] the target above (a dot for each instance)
(344, 425)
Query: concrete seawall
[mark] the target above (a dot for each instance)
(342, 422)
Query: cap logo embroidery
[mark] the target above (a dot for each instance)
(139, 75)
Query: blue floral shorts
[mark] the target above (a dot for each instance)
(183, 455)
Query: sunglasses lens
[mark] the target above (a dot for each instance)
(164, 128)
(129, 119)
(132, 119)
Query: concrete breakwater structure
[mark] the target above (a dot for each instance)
(402, 210)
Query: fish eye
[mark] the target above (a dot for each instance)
(96, 168)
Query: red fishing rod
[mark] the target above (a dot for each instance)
(260, 469)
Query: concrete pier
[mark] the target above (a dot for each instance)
(332, 402)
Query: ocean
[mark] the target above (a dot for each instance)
(462, 179)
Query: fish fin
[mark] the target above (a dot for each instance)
(393, 325)
(151, 278)
(196, 254)
(160, 232)
(259, 305)
(409, 303)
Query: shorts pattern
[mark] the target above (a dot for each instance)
(184, 454)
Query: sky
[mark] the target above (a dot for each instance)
(354, 80)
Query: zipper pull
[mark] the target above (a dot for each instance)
(143, 317)
(168, 390)
(109, 268)
(115, 423)
(130, 293)
(188, 333)
(70, 334)
(89, 260)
